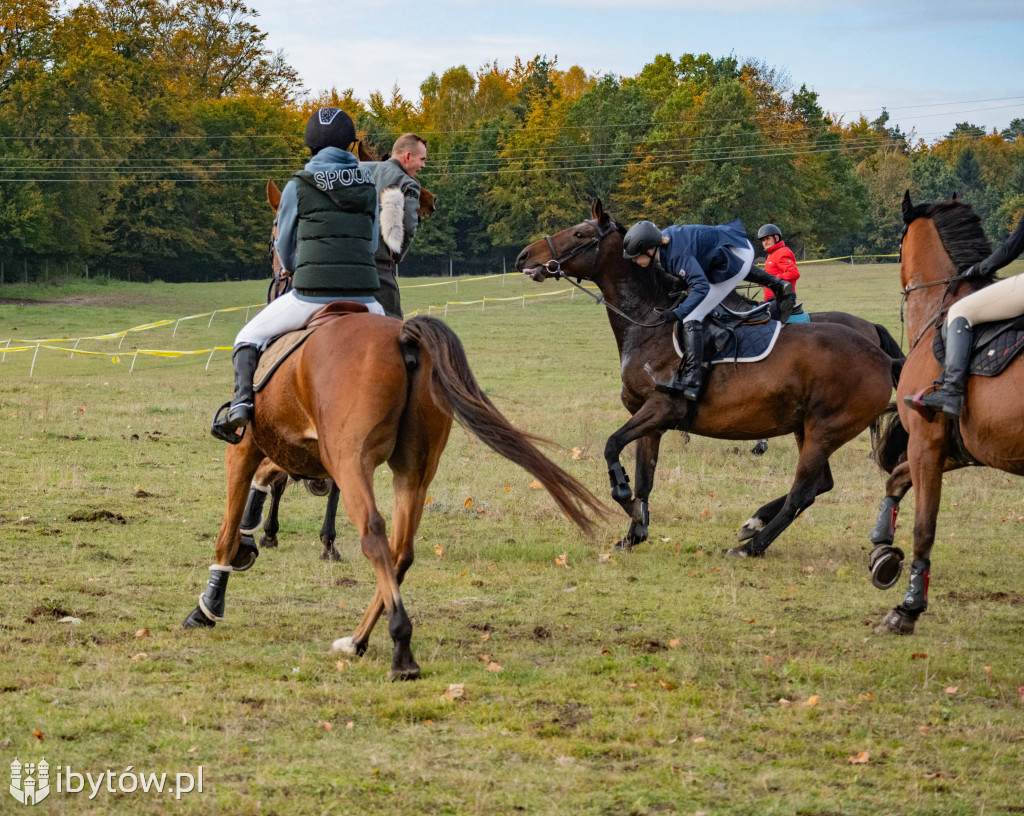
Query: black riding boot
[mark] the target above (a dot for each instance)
(239, 411)
(949, 397)
(686, 381)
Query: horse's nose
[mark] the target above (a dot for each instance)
(521, 259)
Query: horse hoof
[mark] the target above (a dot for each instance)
(744, 551)
(896, 623)
(346, 646)
(410, 673)
(268, 542)
(886, 566)
(245, 557)
(197, 620)
(760, 448)
(623, 546)
(330, 553)
(317, 487)
(751, 527)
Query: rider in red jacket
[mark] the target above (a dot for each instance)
(781, 262)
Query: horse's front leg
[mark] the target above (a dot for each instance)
(648, 424)
(925, 455)
(240, 463)
(639, 514)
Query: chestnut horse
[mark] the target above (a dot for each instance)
(940, 241)
(824, 383)
(361, 391)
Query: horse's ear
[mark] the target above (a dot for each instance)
(597, 212)
(273, 195)
(363, 152)
(908, 205)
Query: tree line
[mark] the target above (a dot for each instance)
(136, 138)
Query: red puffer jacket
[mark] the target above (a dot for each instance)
(782, 264)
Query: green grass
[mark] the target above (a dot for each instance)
(642, 684)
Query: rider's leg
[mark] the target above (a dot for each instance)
(950, 395)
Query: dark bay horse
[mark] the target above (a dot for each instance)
(270, 480)
(361, 391)
(824, 383)
(940, 241)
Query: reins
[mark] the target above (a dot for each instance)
(554, 268)
(940, 315)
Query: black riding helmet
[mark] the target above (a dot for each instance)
(639, 238)
(769, 229)
(329, 127)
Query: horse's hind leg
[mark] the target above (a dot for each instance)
(766, 512)
(240, 463)
(272, 481)
(328, 531)
(414, 467)
(356, 482)
(813, 477)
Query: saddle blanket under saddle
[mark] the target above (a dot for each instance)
(280, 347)
(747, 343)
(995, 345)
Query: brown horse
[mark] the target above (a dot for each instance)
(824, 383)
(271, 480)
(361, 391)
(940, 241)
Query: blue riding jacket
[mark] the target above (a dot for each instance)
(698, 254)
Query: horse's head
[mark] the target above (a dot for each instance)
(428, 203)
(577, 251)
(940, 241)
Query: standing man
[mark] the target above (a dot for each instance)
(399, 193)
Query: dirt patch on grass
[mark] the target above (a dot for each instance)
(98, 515)
(1008, 598)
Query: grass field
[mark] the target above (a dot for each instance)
(669, 680)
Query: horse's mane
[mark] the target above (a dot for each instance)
(960, 231)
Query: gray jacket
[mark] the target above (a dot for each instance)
(391, 173)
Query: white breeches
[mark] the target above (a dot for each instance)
(1002, 300)
(286, 313)
(719, 291)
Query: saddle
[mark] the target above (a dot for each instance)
(280, 347)
(994, 347)
(737, 336)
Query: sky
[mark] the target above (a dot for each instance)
(930, 63)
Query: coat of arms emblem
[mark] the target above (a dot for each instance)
(30, 783)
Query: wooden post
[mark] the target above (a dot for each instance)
(25, 261)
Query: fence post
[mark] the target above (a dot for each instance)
(25, 262)
(1, 272)
(87, 271)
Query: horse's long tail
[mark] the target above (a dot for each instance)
(889, 447)
(456, 391)
(892, 348)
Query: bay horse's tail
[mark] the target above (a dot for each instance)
(456, 391)
(892, 348)
(890, 445)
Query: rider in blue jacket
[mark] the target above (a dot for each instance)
(712, 260)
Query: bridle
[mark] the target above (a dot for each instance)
(554, 268)
(951, 284)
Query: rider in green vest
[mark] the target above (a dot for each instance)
(327, 235)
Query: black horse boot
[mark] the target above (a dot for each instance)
(949, 396)
(239, 410)
(687, 379)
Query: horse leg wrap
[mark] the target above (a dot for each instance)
(916, 600)
(211, 602)
(252, 518)
(884, 530)
(621, 491)
(886, 565)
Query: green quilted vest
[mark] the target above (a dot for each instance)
(335, 234)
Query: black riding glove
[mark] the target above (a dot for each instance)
(785, 297)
